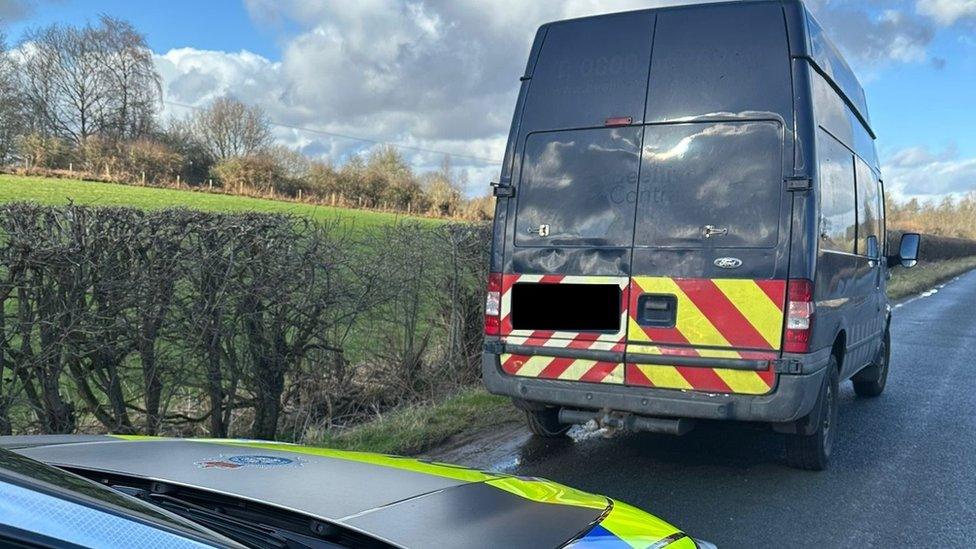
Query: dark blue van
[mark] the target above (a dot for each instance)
(690, 225)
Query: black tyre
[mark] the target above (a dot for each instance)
(545, 423)
(812, 452)
(870, 382)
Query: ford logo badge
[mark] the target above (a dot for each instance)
(728, 263)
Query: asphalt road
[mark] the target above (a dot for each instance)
(903, 472)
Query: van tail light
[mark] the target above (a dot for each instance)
(800, 311)
(493, 305)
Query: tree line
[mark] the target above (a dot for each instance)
(950, 216)
(85, 101)
(189, 322)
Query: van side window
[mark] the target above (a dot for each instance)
(868, 206)
(838, 218)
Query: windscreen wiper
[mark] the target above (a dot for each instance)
(252, 534)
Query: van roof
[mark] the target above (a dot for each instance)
(807, 41)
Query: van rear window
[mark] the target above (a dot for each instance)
(578, 188)
(590, 70)
(724, 179)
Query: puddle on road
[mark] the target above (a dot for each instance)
(512, 449)
(506, 449)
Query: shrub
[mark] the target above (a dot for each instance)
(259, 172)
(151, 162)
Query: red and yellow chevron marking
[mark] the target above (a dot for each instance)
(739, 313)
(566, 369)
(723, 315)
(716, 318)
(693, 378)
(510, 280)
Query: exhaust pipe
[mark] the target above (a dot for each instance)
(612, 421)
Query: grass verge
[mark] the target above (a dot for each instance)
(907, 282)
(415, 429)
(55, 192)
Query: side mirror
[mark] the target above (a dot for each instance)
(874, 250)
(908, 251)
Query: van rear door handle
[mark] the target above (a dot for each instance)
(709, 231)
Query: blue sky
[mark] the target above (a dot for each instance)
(376, 69)
(203, 24)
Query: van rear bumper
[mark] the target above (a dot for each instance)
(793, 398)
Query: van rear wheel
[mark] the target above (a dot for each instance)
(545, 423)
(812, 452)
(871, 381)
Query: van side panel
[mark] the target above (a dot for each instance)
(848, 287)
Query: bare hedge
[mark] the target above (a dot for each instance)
(123, 320)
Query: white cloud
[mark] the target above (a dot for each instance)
(918, 172)
(871, 39)
(948, 12)
(439, 75)
(196, 77)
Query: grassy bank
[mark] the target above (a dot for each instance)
(63, 191)
(415, 429)
(907, 282)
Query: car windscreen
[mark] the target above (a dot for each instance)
(34, 475)
(578, 188)
(710, 185)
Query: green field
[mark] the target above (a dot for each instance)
(62, 191)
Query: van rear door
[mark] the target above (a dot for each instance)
(703, 284)
(711, 245)
(570, 226)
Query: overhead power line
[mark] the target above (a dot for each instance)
(357, 138)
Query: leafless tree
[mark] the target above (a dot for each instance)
(11, 120)
(229, 128)
(83, 81)
(135, 88)
(35, 255)
(63, 81)
(460, 294)
(158, 263)
(213, 261)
